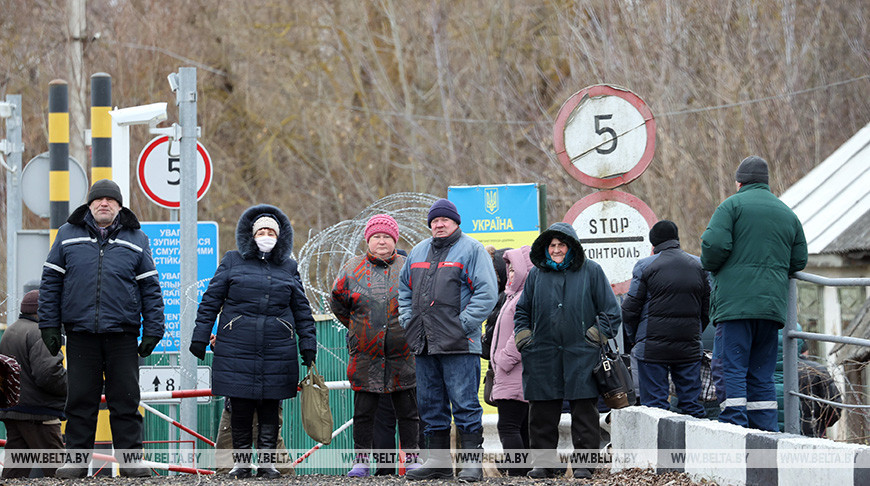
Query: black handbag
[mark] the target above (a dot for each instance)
(488, 381)
(613, 378)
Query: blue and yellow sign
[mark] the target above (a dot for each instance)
(503, 216)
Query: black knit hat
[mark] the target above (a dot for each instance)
(105, 188)
(443, 208)
(663, 231)
(30, 302)
(753, 169)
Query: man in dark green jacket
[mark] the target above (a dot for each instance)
(752, 244)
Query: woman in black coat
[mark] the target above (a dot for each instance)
(263, 316)
(564, 296)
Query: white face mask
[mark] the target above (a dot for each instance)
(266, 243)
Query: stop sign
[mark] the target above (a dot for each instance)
(613, 227)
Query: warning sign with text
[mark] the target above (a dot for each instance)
(165, 241)
(613, 228)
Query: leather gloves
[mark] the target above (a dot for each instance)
(198, 349)
(51, 338)
(308, 356)
(147, 345)
(522, 338)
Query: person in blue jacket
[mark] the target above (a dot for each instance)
(100, 284)
(263, 316)
(447, 288)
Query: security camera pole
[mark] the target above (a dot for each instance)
(185, 96)
(121, 121)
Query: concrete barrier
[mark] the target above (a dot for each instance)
(728, 454)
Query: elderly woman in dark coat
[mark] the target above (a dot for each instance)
(263, 316)
(365, 299)
(564, 296)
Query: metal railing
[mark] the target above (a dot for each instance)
(791, 396)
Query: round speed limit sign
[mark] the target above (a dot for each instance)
(604, 136)
(159, 172)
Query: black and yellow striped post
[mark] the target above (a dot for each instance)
(58, 155)
(101, 127)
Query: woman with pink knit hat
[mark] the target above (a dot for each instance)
(365, 299)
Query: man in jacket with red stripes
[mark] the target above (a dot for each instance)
(447, 289)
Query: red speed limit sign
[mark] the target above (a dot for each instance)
(604, 136)
(159, 172)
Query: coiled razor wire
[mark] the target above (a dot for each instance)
(324, 253)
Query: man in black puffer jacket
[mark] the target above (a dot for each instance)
(665, 311)
(99, 282)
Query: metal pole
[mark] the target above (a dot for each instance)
(186, 101)
(791, 403)
(13, 205)
(101, 127)
(58, 155)
(78, 26)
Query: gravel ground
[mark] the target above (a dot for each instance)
(631, 477)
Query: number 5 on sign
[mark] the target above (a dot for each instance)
(604, 136)
(159, 172)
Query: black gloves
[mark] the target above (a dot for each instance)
(308, 356)
(198, 349)
(522, 339)
(51, 338)
(147, 345)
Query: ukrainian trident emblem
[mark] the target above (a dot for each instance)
(490, 200)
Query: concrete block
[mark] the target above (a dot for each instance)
(761, 458)
(808, 461)
(715, 451)
(862, 467)
(671, 439)
(634, 431)
(491, 442)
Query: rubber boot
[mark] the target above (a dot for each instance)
(267, 441)
(438, 465)
(71, 471)
(472, 468)
(242, 442)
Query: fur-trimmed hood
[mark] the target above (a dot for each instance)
(245, 234)
(125, 217)
(564, 232)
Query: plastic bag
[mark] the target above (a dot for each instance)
(316, 415)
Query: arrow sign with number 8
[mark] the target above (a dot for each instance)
(604, 136)
(159, 172)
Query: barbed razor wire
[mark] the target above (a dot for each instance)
(323, 255)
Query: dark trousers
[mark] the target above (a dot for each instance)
(365, 406)
(89, 357)
(243, 415)
(544, 418)
(747, 350)
(513, 429)
(24, 434)
(224, 442)
(655, 387)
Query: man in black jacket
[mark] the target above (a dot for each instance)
(664, 312)
(100, 284)
(34, 423)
